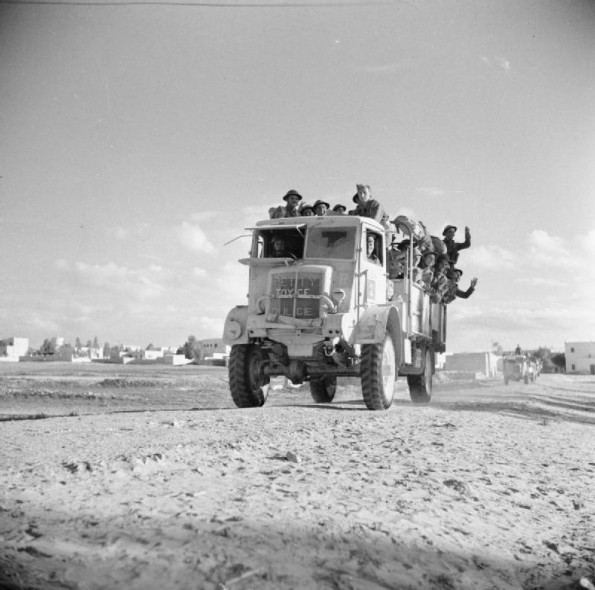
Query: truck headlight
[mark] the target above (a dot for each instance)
(233, 330)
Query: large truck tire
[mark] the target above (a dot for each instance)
(378, 373)
(420, 386)
(248, 385)
(323, 389)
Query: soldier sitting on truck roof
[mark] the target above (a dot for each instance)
(453, 291)
(452, 247)
(320, 207)
(292, 198)
(306, 210)
(366, 206)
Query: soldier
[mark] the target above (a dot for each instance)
(397, 259)
(371, 249)
(279, 250)
(452, 247)
(320, 207)
(307, 210)
(339, 209)
(440, 282)
(453, 291)
(292, 198)
(366, 206)
(425, 274)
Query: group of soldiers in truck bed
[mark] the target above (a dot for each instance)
(434, 259)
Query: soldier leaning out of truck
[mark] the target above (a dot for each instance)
(452, 247)
(453, 291)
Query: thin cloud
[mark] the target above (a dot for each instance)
(497, 62)
(125, 233)
(386, 68)
(542, 282)
(136, 284)
(545, 249)
(192, 236)
(492, 256)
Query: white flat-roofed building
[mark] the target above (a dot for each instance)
(482, 363)
(580, 357)
(11, 349)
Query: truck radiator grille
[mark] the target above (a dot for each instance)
(296, 292)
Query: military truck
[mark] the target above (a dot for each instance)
(324, 307)
(516, 367)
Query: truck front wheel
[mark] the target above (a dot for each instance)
(420, 386)
(323, 389)
(248, 385)
(378, 374)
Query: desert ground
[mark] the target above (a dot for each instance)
(147, 477)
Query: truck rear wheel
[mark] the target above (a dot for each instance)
(248, 385)
(420, 386)
(323, 389)
(378, 374)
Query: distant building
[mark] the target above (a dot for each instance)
(213, 349)
(11, 349)
(152, 354)
(481, 363)
(580, 357)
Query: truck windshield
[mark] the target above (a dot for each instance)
(325, 242)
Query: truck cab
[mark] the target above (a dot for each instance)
(321, 305)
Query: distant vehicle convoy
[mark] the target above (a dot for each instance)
(517, 367)
(321, 306)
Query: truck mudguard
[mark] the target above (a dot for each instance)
(234, 331)
(373, 325)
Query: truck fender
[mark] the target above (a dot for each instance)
(234, 329)
(373, 324)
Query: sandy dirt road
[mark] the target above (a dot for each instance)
(142, 478)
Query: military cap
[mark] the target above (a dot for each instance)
(339, 207)
(290, 193)
(447, 228)
(320, 202)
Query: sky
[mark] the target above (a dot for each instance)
(137, 140)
